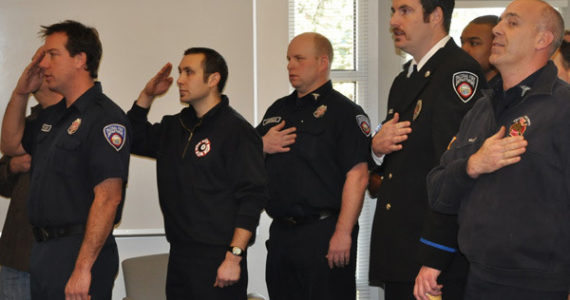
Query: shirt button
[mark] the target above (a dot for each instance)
(381, 177)
(388, 206)
(390, 176)
(302, 121)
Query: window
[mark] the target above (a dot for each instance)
(344, 23)
(339, 21)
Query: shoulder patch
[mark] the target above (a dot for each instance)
(271, 121)
(465, 85)
(364, 124)
(115, 134)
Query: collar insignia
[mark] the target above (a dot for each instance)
(524, 89)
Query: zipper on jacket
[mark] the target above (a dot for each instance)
(190, 134)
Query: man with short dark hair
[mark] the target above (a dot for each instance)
(80, 149)
(211, 179)
(477, 39)
(411, 246)
(506, 173)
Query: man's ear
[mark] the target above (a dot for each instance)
(324, 62)
(436, 16)
(80, 60)
(544, 39)
(214, 79)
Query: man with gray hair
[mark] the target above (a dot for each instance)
(506, 173)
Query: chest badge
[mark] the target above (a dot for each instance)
(519, 126)
(320, 111)
(72, 128)
(115, 135)
(465, 85)
(417, 110)
(46, 127)
(202, 148)
(364, 124)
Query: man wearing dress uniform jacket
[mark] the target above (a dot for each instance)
(410, 245)
(80, 148)
(317, 143)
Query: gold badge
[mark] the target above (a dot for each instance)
(417, 110)
(320, 111)
(74, 126)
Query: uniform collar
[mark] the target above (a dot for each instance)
(428, 55)
(316, 95)
(85, 100)
(189, 114)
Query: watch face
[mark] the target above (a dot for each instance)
(236, 251)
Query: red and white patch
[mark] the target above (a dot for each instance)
(364, 124)
(202, 148)
(465, 85)
(519, 126)
(115, 135)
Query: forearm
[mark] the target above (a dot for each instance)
(100, 221)
(13, 124)
(144, 100)
(241, 238)
(352, 197)
(447, 184)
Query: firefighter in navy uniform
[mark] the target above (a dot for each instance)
(411, 245)
(317, 144)
(80, 148)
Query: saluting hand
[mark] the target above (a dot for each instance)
(277, 139)
(156, 86)
(32, 77)
(229, 271)
(496, 152)
(392, 133)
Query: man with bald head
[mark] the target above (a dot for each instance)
(316, 143)
(506, 173)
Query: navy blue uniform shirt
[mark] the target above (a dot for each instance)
(333, 135)
(74, 149)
